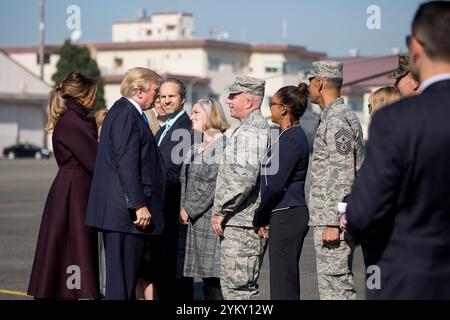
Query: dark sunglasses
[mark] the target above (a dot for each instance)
(408, 41)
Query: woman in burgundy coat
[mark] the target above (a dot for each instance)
(66, 264)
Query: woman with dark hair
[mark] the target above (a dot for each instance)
(66, 264)
(283, 205)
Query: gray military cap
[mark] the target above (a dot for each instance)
(249, 85)
(403, 67)
(327, 69)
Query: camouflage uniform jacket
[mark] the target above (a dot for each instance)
(237, 187)
(337, 156)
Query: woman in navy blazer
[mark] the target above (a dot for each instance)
(283, 205)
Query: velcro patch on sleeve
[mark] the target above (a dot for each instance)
(343, 140)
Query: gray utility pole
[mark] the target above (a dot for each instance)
(42, 37)
(42, 60)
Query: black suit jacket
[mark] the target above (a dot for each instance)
(400, 202)
(129, 173)
(179, 140)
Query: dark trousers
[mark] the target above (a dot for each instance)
(123, 253)
(288, 229)
(211, 289)
(169, 252)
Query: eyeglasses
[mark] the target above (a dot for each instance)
(205, 100)
(275, 104)
(408, 41)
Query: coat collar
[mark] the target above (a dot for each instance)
(251, 117)
(439, 85)
(74, 105)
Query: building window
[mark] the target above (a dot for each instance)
(118, 63)
(273, 67)
(291, 68)
(238, 66)
(46, 58)
(149, 32)
(355, 103)
(170, 27)
(194, 96)
(214, 64)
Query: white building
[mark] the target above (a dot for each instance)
(160, 26)
(23, 105)
(206, 66)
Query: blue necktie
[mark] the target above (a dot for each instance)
(144, 117)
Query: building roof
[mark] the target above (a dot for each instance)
(181, 44)
(361, 73)
(149, 18)
(117, 79)
(18, 83)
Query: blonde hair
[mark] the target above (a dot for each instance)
(99, 118)
(215, 116)
(383, 97)
(75, 86)
(138, 79)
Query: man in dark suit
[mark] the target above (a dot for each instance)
(127, 192)
(174, 141)
(400, 203)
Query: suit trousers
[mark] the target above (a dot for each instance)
(123, 254)
(288, 229)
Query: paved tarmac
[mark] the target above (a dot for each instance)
(24, 185)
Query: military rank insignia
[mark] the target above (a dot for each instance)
(343, 140)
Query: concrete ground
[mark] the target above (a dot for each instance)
(24, 185)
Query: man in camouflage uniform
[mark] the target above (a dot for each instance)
(404, 79)
(336, 158)
(237, 192)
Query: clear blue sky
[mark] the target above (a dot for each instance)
(331, 26)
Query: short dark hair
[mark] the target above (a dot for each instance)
(334, 83)
(295, 99)
(431, 26)
(181, 86)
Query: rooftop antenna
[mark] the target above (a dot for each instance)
(223, 36)
(396, 51)
(284, 28)
(42, 37)
(142, 14)
(354, 53)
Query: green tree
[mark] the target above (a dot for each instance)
(73, 58)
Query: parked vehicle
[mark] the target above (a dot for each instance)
(26, 150)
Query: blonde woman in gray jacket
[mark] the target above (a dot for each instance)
(198, 181)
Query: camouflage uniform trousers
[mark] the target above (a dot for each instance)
(242, 254)
(334, 267)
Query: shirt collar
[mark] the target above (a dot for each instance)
(251, 116)
(432, 80)
(172, 120)
(328, 108)
(136, 105)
